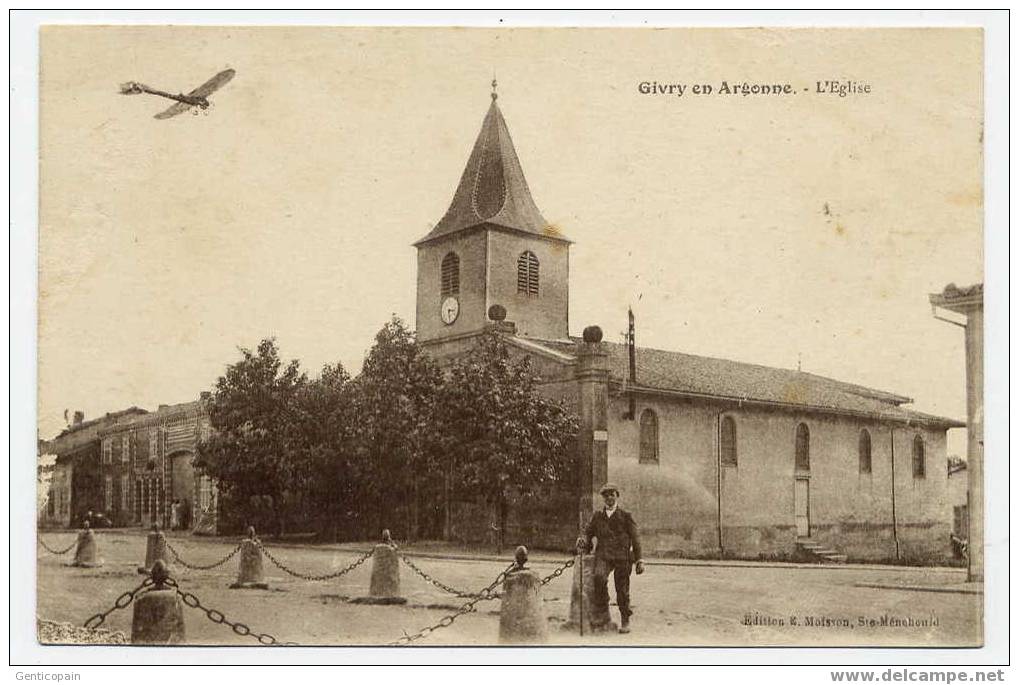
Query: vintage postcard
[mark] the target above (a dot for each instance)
(464, 336)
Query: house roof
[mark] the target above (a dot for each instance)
(493, 189)
(693, 375)
(75, 436)
(164, 413)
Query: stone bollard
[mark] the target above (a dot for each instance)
(521, 616)
(385, 582)
(155, 550)
(249, 574)
(583, 616)
(158, 614)
(86, 554)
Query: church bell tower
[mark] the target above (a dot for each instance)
(492, 247)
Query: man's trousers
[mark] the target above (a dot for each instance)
(620, 570)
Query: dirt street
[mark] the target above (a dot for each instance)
(675, 604)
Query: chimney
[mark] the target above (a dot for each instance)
(79, 417)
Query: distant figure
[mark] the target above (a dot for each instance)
(960, 547)
(175, 515)
(185, 514)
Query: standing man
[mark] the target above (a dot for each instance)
(616, 551)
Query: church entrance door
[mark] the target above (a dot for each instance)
(802, 507)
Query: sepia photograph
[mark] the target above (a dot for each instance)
(481, 337)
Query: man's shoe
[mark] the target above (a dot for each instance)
(625, 626)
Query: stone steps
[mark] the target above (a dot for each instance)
(816, 551)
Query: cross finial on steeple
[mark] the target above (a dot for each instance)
(495, 95)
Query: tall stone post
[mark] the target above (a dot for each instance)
(593, 437)
(969, 302)
(975, 439)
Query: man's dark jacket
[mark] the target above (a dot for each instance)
(616, 534)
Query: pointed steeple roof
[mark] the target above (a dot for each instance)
(492, 189)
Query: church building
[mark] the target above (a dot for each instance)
(715, 458)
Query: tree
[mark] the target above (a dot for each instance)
(328, 466)
(500, 436)
(256, 449)
(394, 394)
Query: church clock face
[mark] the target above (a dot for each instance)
(450, 310)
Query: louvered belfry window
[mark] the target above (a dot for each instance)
(450, 274)
(527, 273)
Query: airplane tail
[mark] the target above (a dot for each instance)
(131, 88)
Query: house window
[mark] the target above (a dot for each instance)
(108, 493)
(865, 462)
(648, 437)
(108, 451)
(919, 458)
(153, 443)
(802, 447)
(527, 273)
(727, 441)
(125, 449)
(125, 493)
(204, 493)
(450, 274)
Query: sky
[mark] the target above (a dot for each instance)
(805, 229)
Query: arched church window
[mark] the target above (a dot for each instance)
(865, 462)
(648, 437)
(450, 275)
(919, 458)
(802, 447)
(527, 273)
(727, 441)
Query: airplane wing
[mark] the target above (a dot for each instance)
(213, 84)
(173, 110)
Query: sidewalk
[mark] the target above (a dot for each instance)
(453, 552)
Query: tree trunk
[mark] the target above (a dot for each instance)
(412, 534)
(447, 494)
(503, 515)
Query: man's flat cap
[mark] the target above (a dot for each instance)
(609, 487)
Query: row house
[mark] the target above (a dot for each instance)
(147, 470)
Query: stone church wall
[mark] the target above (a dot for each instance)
(675, 501)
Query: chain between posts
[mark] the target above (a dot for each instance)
(242, 629)
(121, 602)
(325, 576)
(54, 551)
(438, 583)
(559, 571)
(198, 567)
(468, 607)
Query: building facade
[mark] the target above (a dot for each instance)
(714, 457)
(74, 487)
(146, 471)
